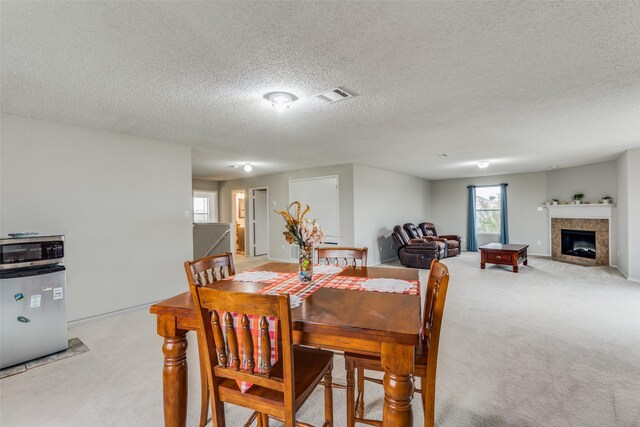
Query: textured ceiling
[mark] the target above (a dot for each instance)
(524, 84)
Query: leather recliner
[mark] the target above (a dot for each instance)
(416, 233)
(454, 242)
(416, 253)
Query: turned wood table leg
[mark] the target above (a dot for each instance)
(174, 372)
(350, 394)
(398, 364)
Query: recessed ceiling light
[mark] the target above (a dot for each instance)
(554, 167)
(248, 167)
(483, 164)
(280, 100)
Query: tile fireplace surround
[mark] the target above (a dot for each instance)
(600, 226)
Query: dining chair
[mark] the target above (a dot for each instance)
(205, 271)
(342, 256)
(426, 354)
(277, 391)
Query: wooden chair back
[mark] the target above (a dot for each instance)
(207, 270)
(223, 359)
(432, 321)
(342, 256)
(437, 286)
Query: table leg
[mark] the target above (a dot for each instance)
(174, 372)
(398, 364)
(482, 260)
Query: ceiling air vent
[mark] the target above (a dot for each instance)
(335, 95)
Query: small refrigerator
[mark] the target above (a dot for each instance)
(33, 315)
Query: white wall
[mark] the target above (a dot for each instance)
(633, 187)
(278, 185)
(525, 193)
(594, 181)
(204, 185)
(628, 207)
(622, 208)
(383, 199)
(119, 199)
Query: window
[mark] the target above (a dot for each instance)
(205, 206)
(488, 210)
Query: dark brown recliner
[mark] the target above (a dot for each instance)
(416, 233)
(416, 253)
(454, 242)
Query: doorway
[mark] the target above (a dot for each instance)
(259, 216)
(239, 219)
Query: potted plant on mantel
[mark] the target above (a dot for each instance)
(606, 200)
(577, 198)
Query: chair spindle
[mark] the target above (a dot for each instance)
(218, 337)
(265, 344)
(247, 344)
(232, 341)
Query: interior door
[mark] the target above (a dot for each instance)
(260, 224)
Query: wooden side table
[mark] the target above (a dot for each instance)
(503, 254)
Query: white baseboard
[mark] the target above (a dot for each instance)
(625, 275)
(111, 314)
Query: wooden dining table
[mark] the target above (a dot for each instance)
(368, 322)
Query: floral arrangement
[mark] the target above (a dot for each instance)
(299, 229)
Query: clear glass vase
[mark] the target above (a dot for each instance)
(305, 268)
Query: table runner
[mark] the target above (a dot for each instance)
(290, 283)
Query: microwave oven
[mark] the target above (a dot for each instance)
(31, 251)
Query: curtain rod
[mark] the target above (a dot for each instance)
(488, 185)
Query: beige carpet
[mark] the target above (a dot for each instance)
(555, 345)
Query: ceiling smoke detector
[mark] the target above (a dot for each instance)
(335, 95)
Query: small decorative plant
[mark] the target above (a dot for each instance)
(577, 198)
(555, 201)
(606, 200)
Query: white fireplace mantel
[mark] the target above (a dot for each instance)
(592, 210)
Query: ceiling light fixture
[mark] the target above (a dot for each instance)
(483, 164)
(248, 167)
(280, 100)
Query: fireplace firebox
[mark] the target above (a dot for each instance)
(579, 243)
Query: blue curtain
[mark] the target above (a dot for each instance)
(472, 244)
(504, 223)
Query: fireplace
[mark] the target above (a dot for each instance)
(583, 241)
(579, 243)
